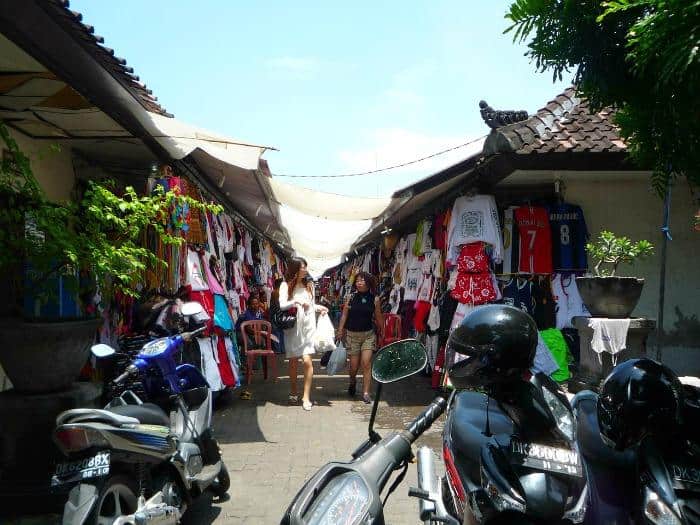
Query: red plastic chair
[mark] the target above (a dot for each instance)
(261, 334)
(392, 329)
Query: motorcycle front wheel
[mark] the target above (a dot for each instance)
(116, 498)
(223, 482)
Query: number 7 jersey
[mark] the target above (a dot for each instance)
(535, 235)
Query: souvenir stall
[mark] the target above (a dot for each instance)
(519, 249)
(220, 265)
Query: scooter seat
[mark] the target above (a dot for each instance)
(146, 413)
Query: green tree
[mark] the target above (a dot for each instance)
(640, 57)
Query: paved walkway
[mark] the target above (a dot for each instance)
(271, 448)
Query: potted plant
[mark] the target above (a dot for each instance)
(92, 245)
(605, 294)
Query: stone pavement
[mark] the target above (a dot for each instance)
(271, 448)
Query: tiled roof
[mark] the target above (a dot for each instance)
(565, 124)
(72, 21)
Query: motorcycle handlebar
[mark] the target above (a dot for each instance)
(189, 335)
(427, 417)
(130, 370)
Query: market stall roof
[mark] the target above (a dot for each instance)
(59, 83)
(564, 135)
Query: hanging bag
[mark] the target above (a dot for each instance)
(337, 361)
(283, 319)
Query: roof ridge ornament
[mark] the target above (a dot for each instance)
(496, 119)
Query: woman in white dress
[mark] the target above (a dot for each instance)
(297, 292)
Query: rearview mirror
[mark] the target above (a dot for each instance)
(102, 350)
(191, 308)
(399, 360)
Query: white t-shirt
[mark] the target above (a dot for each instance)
(568, 300)
(474, 218)
(412, 262)
(414, 279)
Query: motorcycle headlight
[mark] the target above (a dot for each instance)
(500, 499)
(562, 415)
(344, 499)
(657, 511)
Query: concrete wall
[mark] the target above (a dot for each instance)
(53, 169)
(625, 204)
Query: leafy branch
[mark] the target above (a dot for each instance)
(613, 251)
(100, 234)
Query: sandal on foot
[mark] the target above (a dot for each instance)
(293, 400)
(306, 405)
(366, 399)
(246, 395)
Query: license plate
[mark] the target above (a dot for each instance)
(685, 473)
(92, 467)
(544, 457)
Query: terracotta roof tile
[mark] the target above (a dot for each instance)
(84, 33)
(564, 124)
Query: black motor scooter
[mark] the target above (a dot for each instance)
(350, 492)
(654, 482)
(510, 457)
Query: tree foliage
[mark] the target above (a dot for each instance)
(640, 57)
(99, 234)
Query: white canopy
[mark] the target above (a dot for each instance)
(323, 226)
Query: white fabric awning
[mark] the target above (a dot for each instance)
(328, 205)
(180, 139)
(323, 226)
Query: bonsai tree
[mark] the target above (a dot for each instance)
(609, 251)
(99, 234)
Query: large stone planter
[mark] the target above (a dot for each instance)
(611, 297)
(45, 357)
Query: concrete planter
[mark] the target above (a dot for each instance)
(45, 357)
(612, 297)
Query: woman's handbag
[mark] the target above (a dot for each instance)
(283, 319)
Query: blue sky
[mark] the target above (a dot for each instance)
(337, 87)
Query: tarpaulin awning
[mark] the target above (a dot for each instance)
(323, 226)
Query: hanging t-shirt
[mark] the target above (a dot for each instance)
(412, 260)
(414, 279)
(474, 218)
(569, 236)
(517, 292)
(535, 244)
(195, 273)
(568, 300)
(510, 242)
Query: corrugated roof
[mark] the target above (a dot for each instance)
(565, 124)
(72, 21)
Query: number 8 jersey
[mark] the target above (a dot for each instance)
(535, 239)
(570, 235)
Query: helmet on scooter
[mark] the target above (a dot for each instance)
(640, 397)
(499, 341)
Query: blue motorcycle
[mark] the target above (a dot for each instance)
(137, 462)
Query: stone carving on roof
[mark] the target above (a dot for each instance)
(496, 119)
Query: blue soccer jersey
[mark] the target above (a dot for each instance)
(569, 237)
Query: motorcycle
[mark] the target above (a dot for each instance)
(655, 482)
(509, 458)
(137, 462)
(350, 492)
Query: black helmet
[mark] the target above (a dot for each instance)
(499, 341)
(638, 398)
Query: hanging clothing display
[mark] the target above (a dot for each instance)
(569, 237)
(535, 246)
(568, 300)
(474, 218)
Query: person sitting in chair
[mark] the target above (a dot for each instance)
(252, 313)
